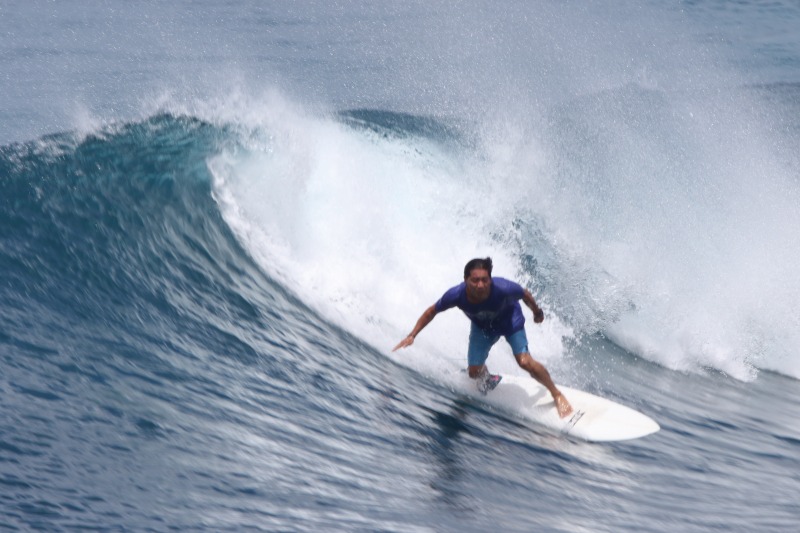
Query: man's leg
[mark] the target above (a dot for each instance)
(479, 345)
(519, 345)
(476, 371)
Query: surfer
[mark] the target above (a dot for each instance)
(492, 305)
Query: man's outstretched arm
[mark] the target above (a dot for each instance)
(423, 321)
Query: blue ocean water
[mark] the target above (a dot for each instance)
(217, 219)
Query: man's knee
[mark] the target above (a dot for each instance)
(525, 361)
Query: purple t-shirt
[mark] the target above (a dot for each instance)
(499, 314)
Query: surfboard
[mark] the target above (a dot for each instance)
(594, 418)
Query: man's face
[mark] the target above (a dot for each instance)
(479, 284)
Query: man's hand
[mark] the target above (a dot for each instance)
(408, 341)
(530, 301)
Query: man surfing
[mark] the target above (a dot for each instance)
(492, 305)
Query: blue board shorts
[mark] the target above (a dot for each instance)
(481, 342)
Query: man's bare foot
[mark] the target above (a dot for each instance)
(563, 406)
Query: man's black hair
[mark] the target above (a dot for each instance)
(483, 264)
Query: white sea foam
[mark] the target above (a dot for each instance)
(368, 230)
(687, 266)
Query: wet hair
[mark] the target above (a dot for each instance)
(483, 264)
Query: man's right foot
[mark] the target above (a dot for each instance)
(488, 382)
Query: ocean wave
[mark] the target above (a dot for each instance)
(365, 216)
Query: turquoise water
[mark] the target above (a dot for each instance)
(218, 219)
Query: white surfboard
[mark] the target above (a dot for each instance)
(593, 419)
